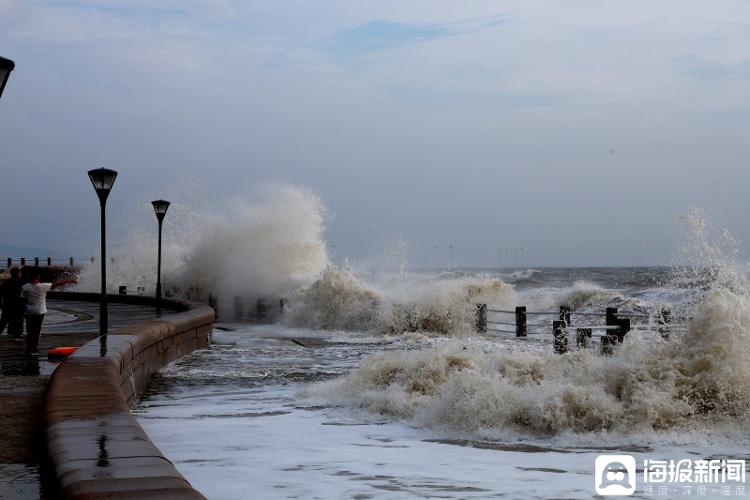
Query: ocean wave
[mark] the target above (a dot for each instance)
(693, 381)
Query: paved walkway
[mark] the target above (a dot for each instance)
(23, 383)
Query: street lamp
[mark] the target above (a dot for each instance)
(160, 207)
(103, 179)
(6, 66)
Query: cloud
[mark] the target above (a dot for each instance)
(383, 34)
(714, 67)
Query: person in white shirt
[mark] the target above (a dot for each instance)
(35, 295)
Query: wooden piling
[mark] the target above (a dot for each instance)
(72, 262)
(582, 337)
(565, 315)
(665, 319)
(49, 261)
(36, 261)
(521, 322)
(608, 344)
(260, 310)
(481, 318)
(10, 262)
(624, 324)
(560, 337)
(237, 307)
(23, 261)
(282, 305)
(611, 316)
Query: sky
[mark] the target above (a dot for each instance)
(578, 130)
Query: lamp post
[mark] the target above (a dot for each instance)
(103, 179)
(160, 207)
(6, 66)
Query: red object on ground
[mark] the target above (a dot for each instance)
(61, 352)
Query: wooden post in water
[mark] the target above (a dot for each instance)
(282, 305)
(481, 318)
(23, 261)
(611, 316)
(565, 315)
(560, 337)
(49, 261)
(582, 337)
(237, 307)
(608, 343)
(72, 262)
(624, 324)
(665, 318)
(521, 323)
(260, 310)
(36, 261)
(10, 262)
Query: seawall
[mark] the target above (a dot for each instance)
(96, 447)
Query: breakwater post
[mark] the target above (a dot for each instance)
(665, 319)
(565, 315)
(582, 337)
(560, 337)
(481, 318)
(521, 324)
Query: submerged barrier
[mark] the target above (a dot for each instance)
(616, 326)
(96, 446)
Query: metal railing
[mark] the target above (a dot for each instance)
(617, 325)
(44, 261)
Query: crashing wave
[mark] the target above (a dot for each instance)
(700, 378)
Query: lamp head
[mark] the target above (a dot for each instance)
(6, 66)
(160, 207)
(103, 179)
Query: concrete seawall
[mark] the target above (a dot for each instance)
(96, 447)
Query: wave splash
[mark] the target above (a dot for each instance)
(339, 300)
(263, 249)
(700, 379)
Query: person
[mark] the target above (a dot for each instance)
(35, 294)
(12, 305)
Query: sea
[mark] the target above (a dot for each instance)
(377, 385)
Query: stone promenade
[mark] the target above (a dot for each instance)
(23, 383)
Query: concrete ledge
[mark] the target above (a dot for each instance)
(97, 448)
